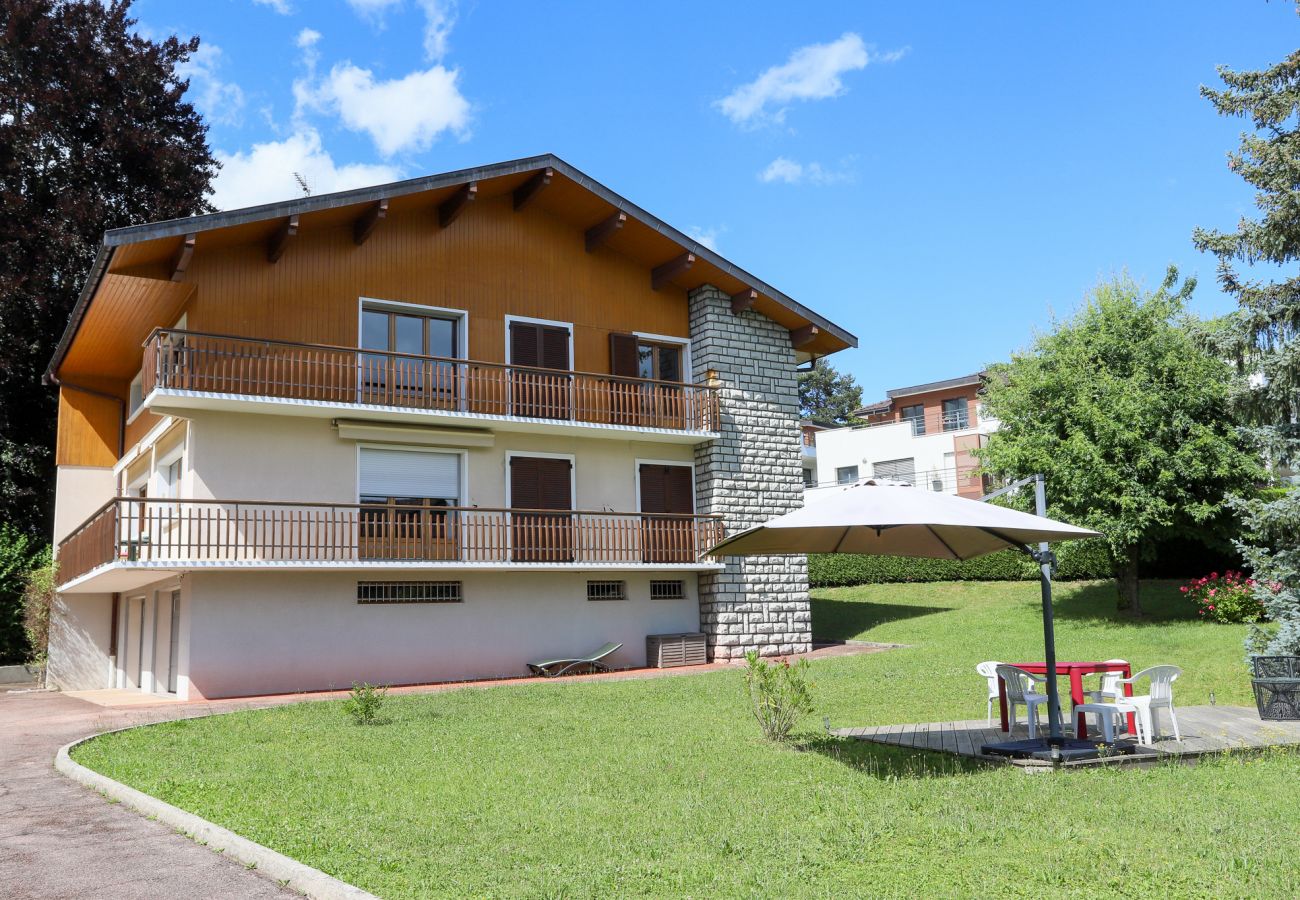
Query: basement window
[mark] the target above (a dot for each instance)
(606, 590)
(668, 590)
(409, 592)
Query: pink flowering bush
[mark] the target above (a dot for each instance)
(1228, 598)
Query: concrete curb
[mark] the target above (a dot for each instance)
(277, 866)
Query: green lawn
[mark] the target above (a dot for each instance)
(662, 787)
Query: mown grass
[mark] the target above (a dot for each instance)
(663, 787)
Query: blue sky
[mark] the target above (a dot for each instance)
(939, 178)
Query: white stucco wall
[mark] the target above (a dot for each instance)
(283, 632)
(80, 628)
(78, 492)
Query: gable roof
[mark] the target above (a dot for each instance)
(829, 337)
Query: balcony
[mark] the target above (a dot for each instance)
(193, 370)
(132, 541)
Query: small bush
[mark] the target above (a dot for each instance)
(1228, 598)
(19, 553)
(365, 702)
(779, 693)
(40, 583)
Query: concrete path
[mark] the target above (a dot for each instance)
(59, 839)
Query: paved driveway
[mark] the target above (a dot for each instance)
(60, 839)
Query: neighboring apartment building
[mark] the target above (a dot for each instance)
(923, 434)
(808, 430)
(424, 431)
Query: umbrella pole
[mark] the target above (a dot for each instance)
(1046, 560)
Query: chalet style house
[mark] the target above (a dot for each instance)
(424, 431)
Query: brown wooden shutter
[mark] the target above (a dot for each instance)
(555, 483)
(524, 481)
(554, 347)
(679, 490)
(652, 489)
(525, 344)
(623, 355)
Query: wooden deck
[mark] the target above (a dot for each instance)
(1205, 730)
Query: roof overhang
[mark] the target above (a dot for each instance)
(819, 335)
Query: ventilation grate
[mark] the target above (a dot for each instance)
(668, 590)
(606, 590)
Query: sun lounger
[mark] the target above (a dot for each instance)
(552, 668)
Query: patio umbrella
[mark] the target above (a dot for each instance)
(895, 519)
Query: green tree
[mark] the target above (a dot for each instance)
(829, 396)
(1124, 411)
(94, 134)
(1261, 336)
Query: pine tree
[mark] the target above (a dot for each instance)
(1261, 335)
(828, 396)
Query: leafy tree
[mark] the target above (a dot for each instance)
(1261, 336)
(1124, 411)
(18, 553)
(829, 396)
(94, 134)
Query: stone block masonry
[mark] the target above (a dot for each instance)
(751, 473)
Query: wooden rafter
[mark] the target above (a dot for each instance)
(666, 272)
(602, 231)
(367, 221)
(743, 300)
(451, 208)
(184, 253)
(275, 246)
(527, 192)
(802, 337)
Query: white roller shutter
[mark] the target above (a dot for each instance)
(409, 473)
(895, 469)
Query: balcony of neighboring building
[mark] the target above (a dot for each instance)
(187, 370)
(133, 541)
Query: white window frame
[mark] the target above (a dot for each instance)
(857, 476)
(688, 373)
(462, 464)
(137, 383)
(459, 316)
(636, 478)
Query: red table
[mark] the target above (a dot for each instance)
(1075, 671)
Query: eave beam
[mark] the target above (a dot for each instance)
(367, 221)
(275, 246)
(743, 300)
(184, 253)
(527, 192)
(802, 337)
(666, 272)
(602, 231)
(451, 208)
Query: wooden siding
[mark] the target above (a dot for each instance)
(88, 427)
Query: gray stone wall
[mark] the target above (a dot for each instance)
(748, 475)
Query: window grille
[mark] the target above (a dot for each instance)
(606, 590)
(409, 592)
(668, 590)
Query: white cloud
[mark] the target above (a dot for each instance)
(280, 6)
(811, 73)
(265, 173)
(439, 17)
(220, 101)
(400, 115)
(707, 236)
(307, 38)
(792, 172)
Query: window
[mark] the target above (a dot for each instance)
(169, 477)
(956, 414)
(136, 399)
(536, 346)
(409, 592)
(895, 469)
(659, 361)
(668, 590)
(395, 374)
(809, 478)
(915, 415)
(405, 495)
(606, 590)
(846, 474)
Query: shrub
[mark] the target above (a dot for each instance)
(1076, 561)
(365, 702)
(18, 554)
(38, 600)
(1228, 598)
(778, 692)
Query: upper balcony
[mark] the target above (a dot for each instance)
(133, 541)
(193, 370)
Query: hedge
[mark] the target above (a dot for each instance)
(1076, 561)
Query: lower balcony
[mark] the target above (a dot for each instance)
(131, 541)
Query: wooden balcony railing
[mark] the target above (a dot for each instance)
(195, 361)
(178, 532)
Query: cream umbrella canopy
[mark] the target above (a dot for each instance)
(895, 519)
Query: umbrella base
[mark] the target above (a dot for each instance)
(1070, 750)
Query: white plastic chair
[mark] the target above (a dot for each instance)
(1101, 702)
(1160, 696)
(990, 672)
(1110, 689)
(1018, 683)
